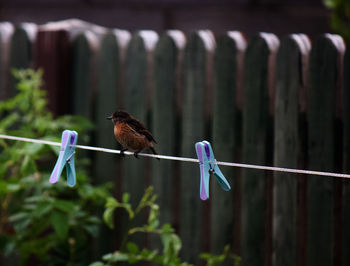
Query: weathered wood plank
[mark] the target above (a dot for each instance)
(137, 91)
(290, 83)
(52, 55)
(108, 83)
(166, 64)
(323, 78)
(346, 163)
(107, 77)
(136, 172)
(1, 70)
(194, 64)
(108, 86)
(6, 31)
(21, 52)
(226, 131)
(257, 137)
(83, 50)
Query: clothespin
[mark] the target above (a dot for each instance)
(66, 158)
(208, 165)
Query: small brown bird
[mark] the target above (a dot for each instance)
(131, 133)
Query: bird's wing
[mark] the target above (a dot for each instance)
(140, 128)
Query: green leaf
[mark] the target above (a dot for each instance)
(171, 245)
(112, 202)
(154, 212)
(33, 199)
(18, 216)
(148, 255)
(9, 247)
(128, 208)
(92, 230)
(93, 220)
(3, 188)
(42, 209)
(97, 263)
(132, 247)
(33, 148)
(64, 205)
(205, 256)
(115, 257)
(126, 197)
(153, 225)
(108, 217)
(59, 221)
(22, 224)
(329, 3)
(167, 228)
(29, 207)
(9, 121)
(28, 166)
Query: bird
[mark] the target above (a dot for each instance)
(131, 133)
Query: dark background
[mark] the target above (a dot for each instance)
(249, 16)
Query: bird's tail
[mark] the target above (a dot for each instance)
(154, 151)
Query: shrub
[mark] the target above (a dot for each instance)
(44, 224)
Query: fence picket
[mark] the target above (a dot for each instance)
(6, 31)
(52, 55)
(194, 65)
(107, 82)
(136, 172)
(226, 134)
(20, 54)
(257, 138)
(290, 83)
(323, 78)
(166, 59)
(83, 50)
(346, 162)
(136, 91)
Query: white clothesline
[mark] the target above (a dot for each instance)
(184, 159)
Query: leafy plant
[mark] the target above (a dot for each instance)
(340, 18)
(45, 224)
(217, 260)
(130, 252)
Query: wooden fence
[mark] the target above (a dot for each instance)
(270, 101)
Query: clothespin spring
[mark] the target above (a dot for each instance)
(211, 170)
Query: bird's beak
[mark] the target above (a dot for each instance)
(109, 117)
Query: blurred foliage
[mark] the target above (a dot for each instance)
(131, 253)
(226, 256)
(340, 18)
(44, 224)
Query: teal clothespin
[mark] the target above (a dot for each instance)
(208, 165)
(66, 158)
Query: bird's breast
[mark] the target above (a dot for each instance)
(129, 138)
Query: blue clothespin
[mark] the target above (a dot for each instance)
(66, 158)
(208, 165)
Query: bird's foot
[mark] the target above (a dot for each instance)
(136, 154)
(122, 152)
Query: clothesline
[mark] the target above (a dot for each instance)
(184, 159)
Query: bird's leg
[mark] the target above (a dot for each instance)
(136, 154)
(122, 151)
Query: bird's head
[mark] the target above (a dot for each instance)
(118, 116)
